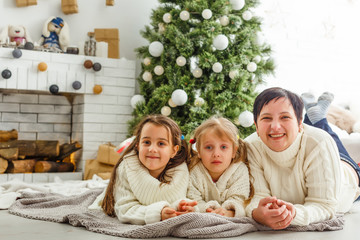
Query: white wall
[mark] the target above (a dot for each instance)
(129, 16)
(316, 45)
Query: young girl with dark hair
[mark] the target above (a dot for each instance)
(149, 182)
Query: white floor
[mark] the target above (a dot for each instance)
(17, 228)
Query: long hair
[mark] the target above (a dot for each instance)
(180, 157)
(223, 128)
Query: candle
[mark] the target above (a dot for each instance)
(101, 49)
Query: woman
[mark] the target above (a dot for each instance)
(298, 176)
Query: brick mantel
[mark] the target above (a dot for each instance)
(95, 118)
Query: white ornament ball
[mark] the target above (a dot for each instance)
(224, 21)
(159, 70)
(181, 61)
(197, 72)
(233, 74)
(237, 4)
(136, 99)
(147, 61)
(246, 119)
(257, 59)
(217, 67)
(156, 48)
(251, 67)
(199, 102)
(166, 111)
(221, 42)
(167, 17)
(179, 97)
(184, 15)
(171, 103)
(147, 76)
(247, 15)
(206, 14)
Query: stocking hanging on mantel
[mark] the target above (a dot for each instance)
(69, 6)
(110, 3)
(25, 3)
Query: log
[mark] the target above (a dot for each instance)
(9, 153)
(34, 149)
(49, 166)
(21, 166)
(68, 148)
(3, 165)
(6, 136)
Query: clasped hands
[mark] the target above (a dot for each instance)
(183, 207)
(274, 213)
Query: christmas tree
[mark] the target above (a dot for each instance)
(204, 57)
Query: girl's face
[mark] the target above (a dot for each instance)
(277, 125)
(216, 153)
(155, 148)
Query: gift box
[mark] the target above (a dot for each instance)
(109, 2)
(104, 175)
(69, 6)
(111, 36)
(107, 154)
(92, 166)
(24, 3)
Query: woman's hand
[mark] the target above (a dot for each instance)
(167, 213)
(274, 213)
(186, 207)
(222, 212)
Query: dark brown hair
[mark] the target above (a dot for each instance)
(180, 157)
(223, 127)
(276, 93)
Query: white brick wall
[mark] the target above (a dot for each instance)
(92, 119)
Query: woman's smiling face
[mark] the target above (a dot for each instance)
(277, 125)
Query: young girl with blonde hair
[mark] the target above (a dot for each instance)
(219, 173)
(149, 182)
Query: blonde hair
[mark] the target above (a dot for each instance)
(180, 157)
(222, 127)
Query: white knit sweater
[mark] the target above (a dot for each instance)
(308, 174)
(139, 197)
(229, 192)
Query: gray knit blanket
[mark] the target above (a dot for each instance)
(74, 210)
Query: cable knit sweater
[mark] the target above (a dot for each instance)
(139, 197)
(308, 174)
(229, 192)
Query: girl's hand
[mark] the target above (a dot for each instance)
(186, 207)
(222, 212)
(167, 213)
(273, 213)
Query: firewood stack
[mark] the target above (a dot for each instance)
(26, 156)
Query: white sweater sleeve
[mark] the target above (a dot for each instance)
(128, 209)
(323, 182)
(238, 191)
(196, 193)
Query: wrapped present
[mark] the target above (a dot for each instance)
(104, 175)
(92, 166)
(111, 36)
(69, 6)
(109, 2)
(107, 154)
(25, 3)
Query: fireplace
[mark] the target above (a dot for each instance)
(93, 114)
